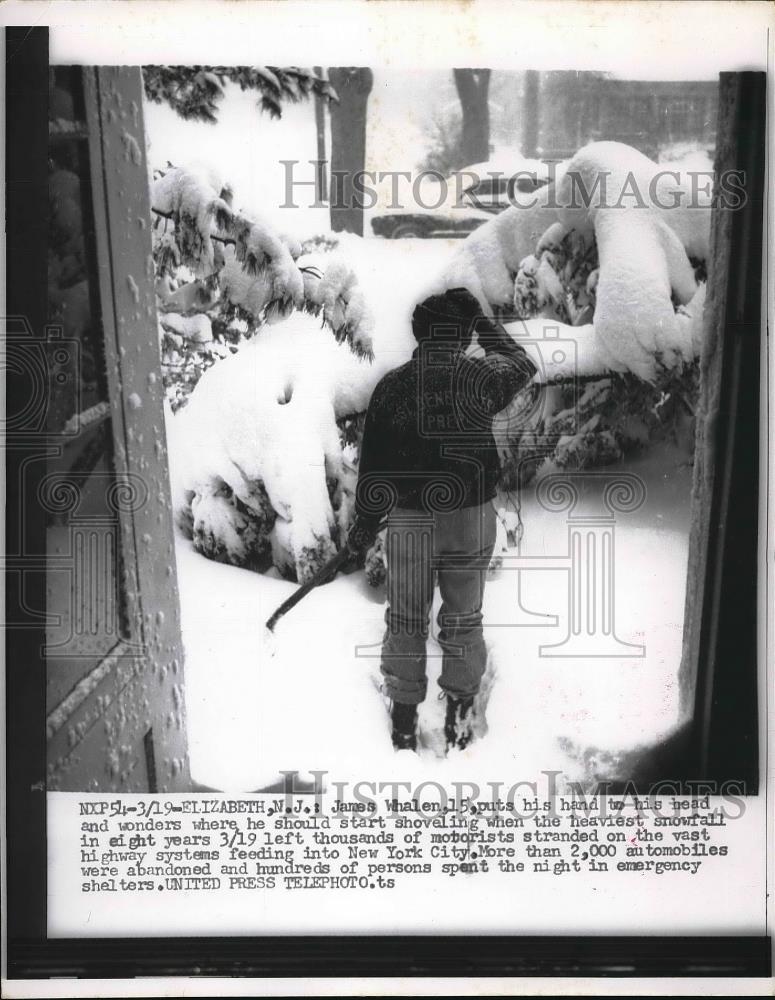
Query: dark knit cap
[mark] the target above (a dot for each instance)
(450, 316)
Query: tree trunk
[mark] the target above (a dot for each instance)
(321, 177)
(348, 145)
(531, 115)
(472, 88)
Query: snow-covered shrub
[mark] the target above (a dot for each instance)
(197, 326)
(241, 258)
(375, 564)
(613, 253)
(558, 281)
(263, 471)
(612, 418)
(319, 243)
(269, 414)
(644, 268)
(614, 197)
(223, 280)
(489, 258)
(189, 345)
(265, 452)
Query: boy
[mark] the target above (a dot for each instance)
(428, 459)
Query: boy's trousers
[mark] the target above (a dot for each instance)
(455, 547)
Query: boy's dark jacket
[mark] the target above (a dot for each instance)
(427, 441)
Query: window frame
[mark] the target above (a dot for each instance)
(152, 643)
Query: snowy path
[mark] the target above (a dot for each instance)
(313, 705)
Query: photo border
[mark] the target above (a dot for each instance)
(29, 953)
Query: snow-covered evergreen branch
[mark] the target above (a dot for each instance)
(253, 265)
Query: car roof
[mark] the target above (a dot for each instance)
(506, 164)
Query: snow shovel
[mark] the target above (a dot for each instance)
(326, 572)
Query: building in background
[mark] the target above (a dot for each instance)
(550, 115)
(575, 108)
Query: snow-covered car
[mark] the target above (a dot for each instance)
(472, 196)
(501, 181)
(450, 219)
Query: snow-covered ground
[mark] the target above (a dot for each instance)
(308, 700)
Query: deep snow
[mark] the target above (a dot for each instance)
(232, 430)
(305, 701)
(254, 714)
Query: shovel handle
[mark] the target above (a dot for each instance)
(327, 570)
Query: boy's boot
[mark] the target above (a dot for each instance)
(458, 725)
(404, 726)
